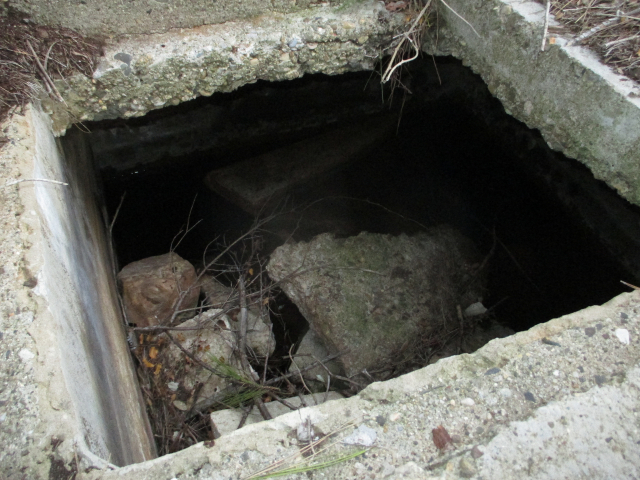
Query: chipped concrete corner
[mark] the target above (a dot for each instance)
(580, 106)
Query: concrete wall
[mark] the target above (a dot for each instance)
(580, 106)
(84, 390)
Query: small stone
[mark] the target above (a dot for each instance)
(505, 392)
(475, 309)
(380, 420)
(387, 470)
(467, 468)
(590, 331)
(363, 435)
(600, 380)
(468, 402)
(623, 336)
(26, 355)
(180, 405)
(529, 397)
(476, 452)
(394, 417)
(492, 371)
(173, 386)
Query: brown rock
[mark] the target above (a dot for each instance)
(152, 288)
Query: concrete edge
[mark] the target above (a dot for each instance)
(580, 106)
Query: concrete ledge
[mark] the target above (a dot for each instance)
(146, 72)
(579, 105)
(558, 400)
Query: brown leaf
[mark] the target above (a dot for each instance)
(441, 437)
(153, 353)
(147, 363)
(395, 6)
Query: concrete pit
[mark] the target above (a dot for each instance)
(565, 233)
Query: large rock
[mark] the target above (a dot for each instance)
(151, 289)
(212, 338)
(372, 295)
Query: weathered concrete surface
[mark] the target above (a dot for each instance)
(113, 18)
(559, 400)
(373, 296)
(145, 72)
(68, 389)
(580, 106)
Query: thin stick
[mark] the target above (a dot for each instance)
(629, 285)
(391, 68)
(302, 370)
(15, 182)
(298, 368)
(115, 215)
(460, 17)
(546, 25)
(45, 76)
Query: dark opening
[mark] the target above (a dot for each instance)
(457, 158)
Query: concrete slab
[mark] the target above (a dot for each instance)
(260, 183)
(140, 73)
(100, 18)
(559, 400)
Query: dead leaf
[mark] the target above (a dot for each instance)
(153, 353)
(251, 271)
(441, 438)
(395, 6)
(147, 363)
(158, 369)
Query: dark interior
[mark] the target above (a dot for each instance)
(456, 158)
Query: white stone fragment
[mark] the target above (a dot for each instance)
(623, 335)
(475, 309)
(468, 402)
(26, 355)
(363, 435)
(173, 386)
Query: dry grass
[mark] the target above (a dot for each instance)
(613, 30)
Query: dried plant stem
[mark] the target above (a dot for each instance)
(598, 28)
(15, 182)
(406, 36)
(546, 25)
